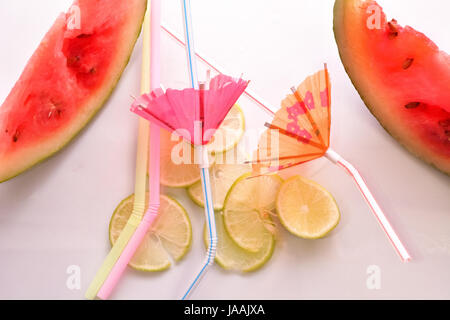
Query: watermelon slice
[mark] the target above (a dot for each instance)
(401, 75)
(67, 80)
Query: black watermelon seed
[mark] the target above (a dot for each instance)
(412, 105)
(83, 35)
(407, 63)
(16, 136)
(393, 31)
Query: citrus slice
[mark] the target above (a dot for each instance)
(222, 178)
(232, 257)
(170, 234)
(306, 209)
(177, 162)
(248, 207)
(230, 131)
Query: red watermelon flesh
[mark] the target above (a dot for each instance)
(67, 80)
(401, 75)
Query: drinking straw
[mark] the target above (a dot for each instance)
(201, 153)
(154, 163)
(330, 155)
(376, 210)
(140, 175)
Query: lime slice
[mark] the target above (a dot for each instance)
(177, 162)
(306, 209)
(171, 234)
(232, 257)
(230, 131)
(222, 178)
(248, 208)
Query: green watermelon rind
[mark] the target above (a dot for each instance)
(338, 12)
(94, 110)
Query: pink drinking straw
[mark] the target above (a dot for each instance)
(154, 160)
(331, 155)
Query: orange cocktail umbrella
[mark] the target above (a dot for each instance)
(300, 132)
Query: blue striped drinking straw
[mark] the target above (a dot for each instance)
(201, 153)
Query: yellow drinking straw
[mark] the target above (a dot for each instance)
(141, 174)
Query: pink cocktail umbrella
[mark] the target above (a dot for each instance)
(194, 114)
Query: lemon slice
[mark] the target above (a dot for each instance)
(306, 209)
(232, 257)
(177, 162)
(222, 178)
(170, 234)
(229, 133)
(248, 207)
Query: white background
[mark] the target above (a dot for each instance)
(57, 214)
